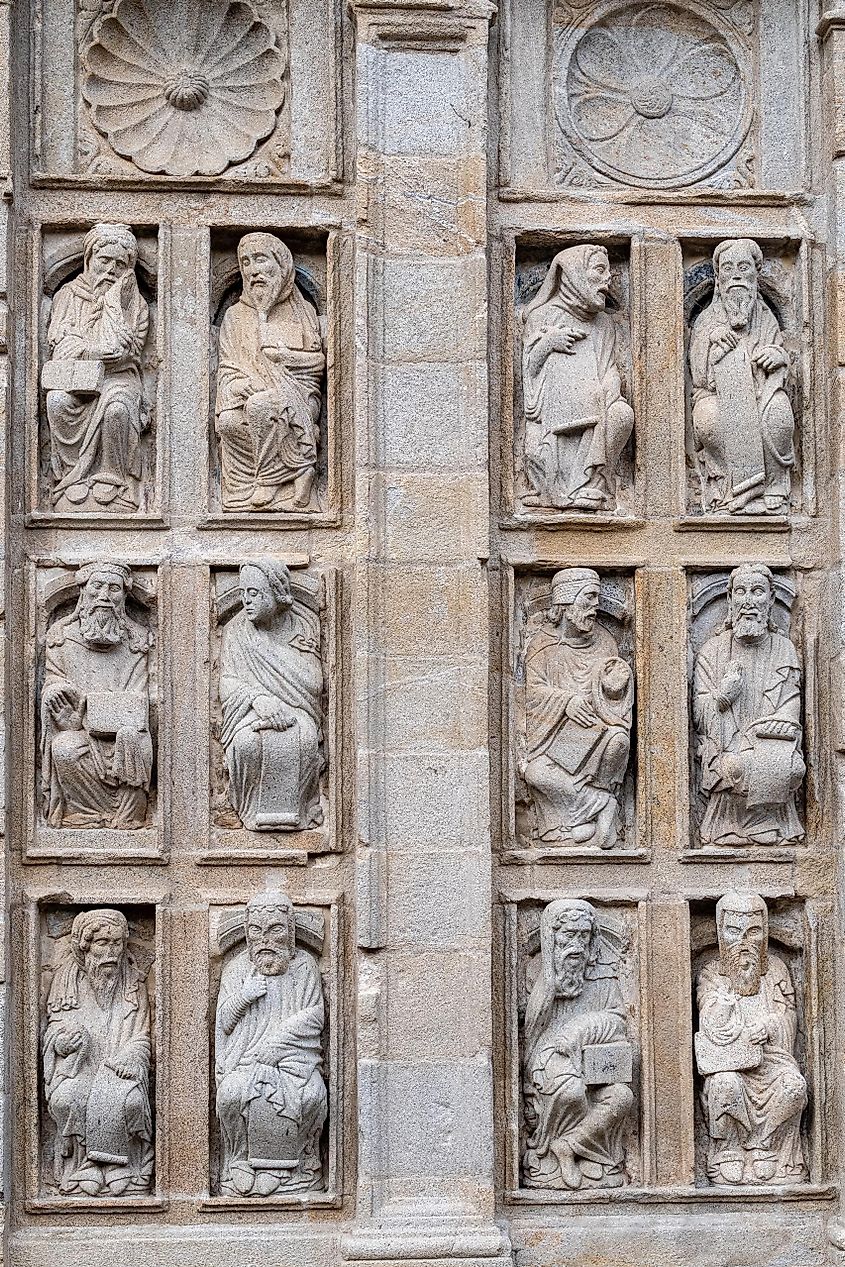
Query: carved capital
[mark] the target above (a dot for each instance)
(833, 19)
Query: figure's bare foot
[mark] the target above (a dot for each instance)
(570, 1171)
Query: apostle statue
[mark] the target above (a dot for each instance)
(269, 384)
(579, 700)
(97, 1057)
(577, 421)
(271, 687)
(753, 1092)
(271, 1097)
(95, 405)
(96, 747)
(747, 718)
(578, 1062)
(741, 416)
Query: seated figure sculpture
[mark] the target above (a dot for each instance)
(269, 384)
(577, 421)
(753, 1092)
(271, 684)
(97, 1055)
(271, 1097)
(95, 407)
(579, 698)
(742, 419)
(747, 718)
(577, 1066)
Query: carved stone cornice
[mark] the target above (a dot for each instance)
(437, 26)
(833, 19)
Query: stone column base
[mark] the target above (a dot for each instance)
(411, 1241)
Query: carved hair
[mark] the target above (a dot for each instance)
(274, 900)
(565, 279)
(118, 570)
(88, 923)
(744, 904)
(274, 246)
(568, 583)
(105, 234)
(748, 243)
(745, 572)
(277, 575)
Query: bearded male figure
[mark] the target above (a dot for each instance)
(95, 406)
(269, 384)
(577, 1059)
(747, 718)
(577, 421)
(753, 1092)
(271, 685)
(96, 747)
(271, 1097)
(579, 700)
(741, 416)
(97, 1057)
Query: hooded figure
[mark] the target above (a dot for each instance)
(97, 1056)
(269, 384)
(95, 435)
(577, 422)
(575, 1122)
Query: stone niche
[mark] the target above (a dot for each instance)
(583, 1036)
(274, 461)
(758, 1124)
(752, 715)
(97, 449)
(289, 1156)
(99, 789)
(665, 96)
(275, 793)
(569, 781)
(564, 460)
(760, 470)
(131, 104)
(92, 1032)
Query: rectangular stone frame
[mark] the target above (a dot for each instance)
(98, 845)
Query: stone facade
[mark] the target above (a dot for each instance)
(422, 512)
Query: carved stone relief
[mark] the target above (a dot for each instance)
(655, 95)
(185, 89)
(97, 1054)
(97, 700)
(271, 694)
(574, 699)
(98, 376)
(577, 999)
(746, 711)
(741, 449)
(269, 413)
(749, 1049)
(572, 398)
(271, 1094)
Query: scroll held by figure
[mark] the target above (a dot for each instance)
(269, 385)
(742, 420)
(753, 1092)
(96, 746)
(271, 693)
(97, 1056)
(578, 1058)
(271, 1096)
(577, 421)
(579, 703)
(96, 410)
(747, 718)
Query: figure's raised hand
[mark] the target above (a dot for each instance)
(564, 339)
(731, 683)
(581, 712)
(253, 989)
(770, 358)
(722, 340)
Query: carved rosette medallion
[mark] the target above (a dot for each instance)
(184, 89)
(653, 96)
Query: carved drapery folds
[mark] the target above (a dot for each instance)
(97, 1055)
(271, 1096)
(96, 704)
(753, 1090)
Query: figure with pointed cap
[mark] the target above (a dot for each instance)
(96, 746)
(271, 1096)
(271, 686)
(747, 718)
(741, 416)
(96, 458)
(269, 384)
(97, 1056)
(579, 700)
(753, 1092)
(577, 420)
(577, 1057)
